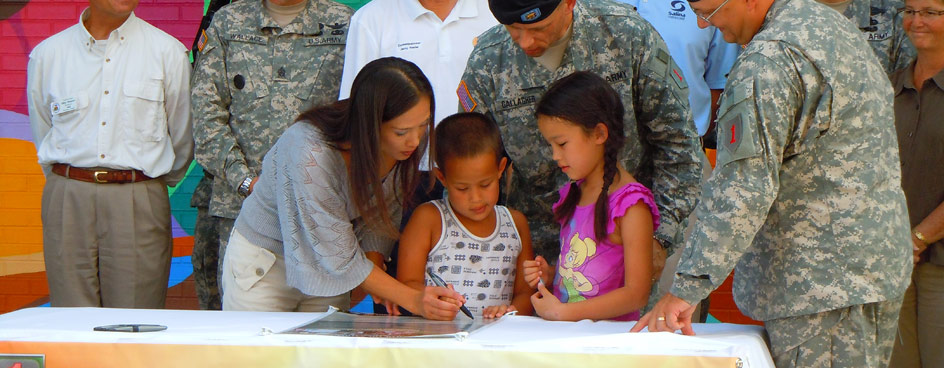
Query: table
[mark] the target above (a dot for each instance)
(245, 339)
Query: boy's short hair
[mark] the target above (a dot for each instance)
(465, 135)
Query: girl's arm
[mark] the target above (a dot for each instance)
(635, 233)
(418, 238)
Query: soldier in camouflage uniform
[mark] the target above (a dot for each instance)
(504, 79)
(206, 245)
(881, 25)
(251, 81)
(806, 196)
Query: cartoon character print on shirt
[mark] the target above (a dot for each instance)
(575, 286)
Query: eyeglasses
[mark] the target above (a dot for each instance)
(924, 13)
(708, 18)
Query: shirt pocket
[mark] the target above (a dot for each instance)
(69, 108)
(143, 109)
(69, 111)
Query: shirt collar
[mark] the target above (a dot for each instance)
(414, 9)
(123, 31)
(859, 12)
(907, 80)
(939, 79)
(307, 22)
(772, 12)
(462, 9)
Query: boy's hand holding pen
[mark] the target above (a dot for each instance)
(538, 271)
(461, 303)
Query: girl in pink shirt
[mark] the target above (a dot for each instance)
(607, 218)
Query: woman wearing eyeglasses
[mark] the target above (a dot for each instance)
(919, 118)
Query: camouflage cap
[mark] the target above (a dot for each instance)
(522, 11)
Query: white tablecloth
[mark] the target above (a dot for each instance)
(202, 337)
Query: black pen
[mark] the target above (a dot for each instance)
(439, 282)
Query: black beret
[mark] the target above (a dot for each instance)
(522, 11)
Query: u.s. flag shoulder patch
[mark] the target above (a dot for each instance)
(203, 40)
(465, 98)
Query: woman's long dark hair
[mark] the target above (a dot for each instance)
(585, 99)
(383, 89)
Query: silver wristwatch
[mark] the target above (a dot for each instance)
(243, 189)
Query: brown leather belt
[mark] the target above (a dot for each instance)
(101, 176)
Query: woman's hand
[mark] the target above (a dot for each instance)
(439, 303)
(496, 311)
(918, 248)
(547, 305)
(538, 269)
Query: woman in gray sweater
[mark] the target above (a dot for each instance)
(326, 208)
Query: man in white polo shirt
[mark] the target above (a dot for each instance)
(436, 35)
(109, 105)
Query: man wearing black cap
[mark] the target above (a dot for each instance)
(545, 40)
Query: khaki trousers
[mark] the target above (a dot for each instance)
(106, 245)
(920, 341)
(253, 279)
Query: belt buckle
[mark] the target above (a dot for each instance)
(99, 180)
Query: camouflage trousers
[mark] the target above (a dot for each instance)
(205, 260)
(859, 336)
(224, 228)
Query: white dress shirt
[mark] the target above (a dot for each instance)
(405, 29)
(120, 103)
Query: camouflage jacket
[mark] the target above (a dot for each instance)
(613, 41)
(806, 195)
(881, 25)
(252, 80)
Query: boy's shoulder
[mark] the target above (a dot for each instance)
(427, 212)
(516, 215)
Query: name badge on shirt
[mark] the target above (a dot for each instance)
(64, 106)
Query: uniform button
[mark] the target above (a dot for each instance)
(107, 60)
(103, 155)
(106, 92)
(260, 272)
(103, 123)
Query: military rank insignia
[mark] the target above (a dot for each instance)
(531, 15)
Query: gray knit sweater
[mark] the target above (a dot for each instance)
(302, 208)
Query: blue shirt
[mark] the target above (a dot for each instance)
(703, 55)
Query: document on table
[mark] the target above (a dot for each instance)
(337, 323)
